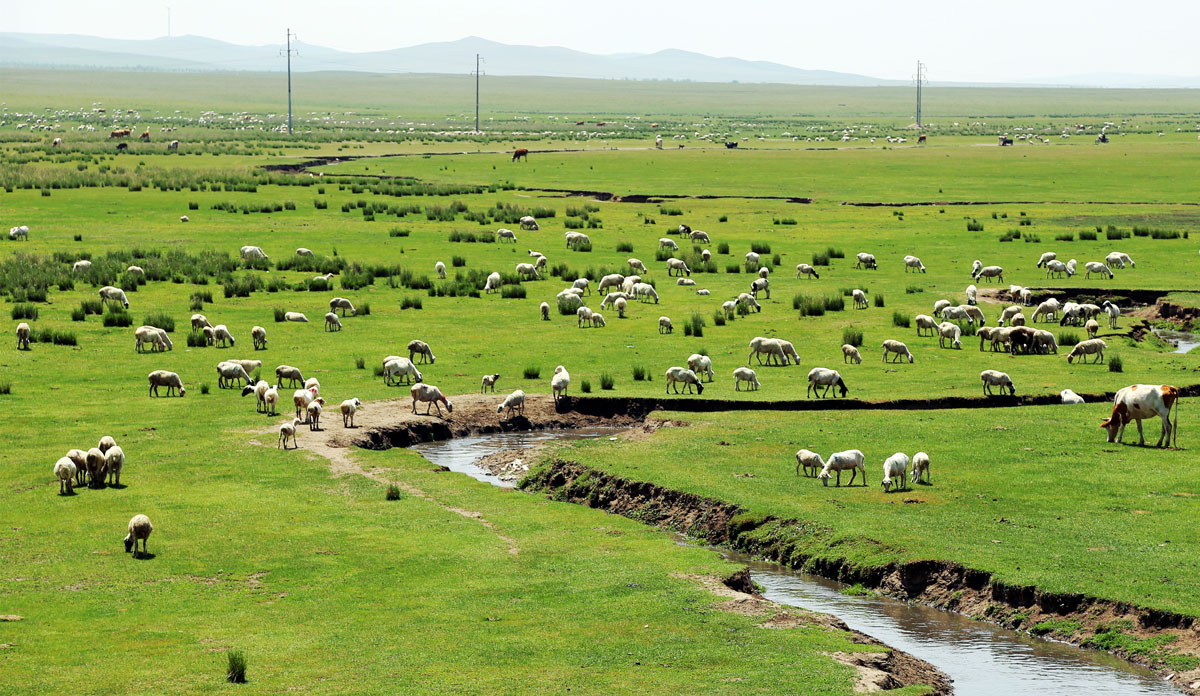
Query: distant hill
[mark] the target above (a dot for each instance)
(197, 53)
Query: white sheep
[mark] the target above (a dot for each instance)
(288, 430)
(489, 382)
(513, 402)
(920, 468)
(860, 299)
(583, 285)
(301, 398)
(1097, 268)
(1119, 260)
(667, 243)
(645, 292)
(259, 390)
(939, 306)
(544, 308)
(528, 223)
(700, 236)
(503, 234)
(440, 269)
(343, 304)
(988, 273)
(81, 266)
(1018, 319)
(747, 300)
(975, 266)
(925, 322)
(1070, 397)
(79, 458)
(139, 530)
(1046, 258)
(221, 335)
(760, 285)
(271, 400)
(895, 467)
(422, 349)
(430, 396)
(972, 293)
(19, 232)
(259, 336)
(914, 263)
(679, 266)
(291, 374)
(559, 383)
(764, 272)
(23, 336)
(809, 461)
(865, 260)
(583, 315)
(664, 325)
(493, 283)
(824, 377)
(114, 462)
(230, 375)
(705, 255)
(304, 252)
(620, 306)
(803, 269)
(948, 330)
(65, 471)
(901, 350)
(995, 378)
(678, 375)
(527, 271)
(1083, 349)
(332, 323)
(701, 365)
(199, 321)
(1008, 313)
(745, 374)
(1091, 327)
(851, 354)
(348, 408)
(752, 259)
(106, 443)
(252, 252)
(1044, 342)
(1113, 313)
(1071, 266)
(111, 295)
(841, 461)
(147, 335)
(163, 378)
(637, 265)
(396, 368)
(685, 281)
(771, 347)
(135, 270)
(1057, 269)
(314, 414)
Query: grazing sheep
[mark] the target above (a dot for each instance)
(1046, 258)
(396, 368)
(1008, 313)
(986, 334)
(866, 260)
(288, 430)
(349, 407)
(939, 306)
(65, 471)
(987, 273)
(645, 292)
(19, 232)
(851, 354)
(259, 336)
(1119, 260)
(503, 234)
(114, 462)
(259, 390)
(209, 337)
(528, 271)
(1070, 397)
(760, 285)
(1058, 269)
(301, 398)
(745, 374)
(925, 322)
(860, 299)
(430, 396)
(1113, 312)
(583, 315)
(291, 374)
(304, 252)
(620, 304)
(106, 443)
(901, 350)
(1098, 268)
(271, 400)
(230, 375)
(1048, 310)
(577, 239)
(803, 269)
(810, 461)
(914, 263)
(150, 335)
(752, 259)
(700, 236)
(1026, 296)
(763, 273)
(1138, 402)
(679, 266)
(312, 383)
(839, 462)
(975, 266)
(95, 463)
(540, 261)
(1071, 266)
(747, 300)
(974, 314)
(1091, 327)
(489, 381)
(343, 304)
(440, 269)
(332, 323)
(513, 402)
(677, 375)
(139, 530)
(958, 313)
(701, 365)
(771, 347)
(1018, 319)
(252, 252)
(583, 285)
(637, 265)
(664, 325)
(824, 377)
(111, 295)
(1094, 346)
(951, 331)
(995, 378)
(1044, 342)
(23, 336)
(667, 243)
(705, 255)
(895, 467)
(163, 378)
(81, 266)
(528, 223)
(920, 468)
(545, 310)
(199, 321)
(79, 458)
(493, 283)
(421, 348)
(221, 335)
(314, 414)
(972, 295)
(135, 270)
(559, 383)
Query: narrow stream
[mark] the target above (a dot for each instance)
(982, 659)
(1183, 341)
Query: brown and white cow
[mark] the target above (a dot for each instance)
(522, 152)
(1140, 401)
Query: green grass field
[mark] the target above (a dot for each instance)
(344, 592)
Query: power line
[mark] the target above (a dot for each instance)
(289, 51)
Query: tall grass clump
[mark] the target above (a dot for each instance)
(411, 302)
(809, 306)
(835, 253)
(160, 320)
(607, 381)
(900, 319)
(393, 492)
(585, 386)
(694, 326)
(279, 312)
(235, 671)
(24, 310)
(5, 388)
(360, 363)
(853, 336)
(719, 318)
(117, 318)
(1067, 339)
(913, 289)
(760, 247)
(723, 248)
(513, 292)
(78, 314)
(1115, 364)
(640, 374)
(1065, 237)
(974, 226)
(458, 261)
(532, 372)
(820, 258)
(834, 303)
(624, 247)
(1087, 235)
(878, 300)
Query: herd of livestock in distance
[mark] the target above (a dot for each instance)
(946, 321)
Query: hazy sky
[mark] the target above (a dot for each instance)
(959, 40)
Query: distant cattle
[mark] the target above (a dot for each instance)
(173, 145)
(120, 133)
(1005, 141)
(522, 152)
(921, 139)
(1102, 139)
(731, 146)
(145, 136)
(122, 147)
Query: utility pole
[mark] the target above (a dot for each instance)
(920, 85)
(289, 52)
(478, 59)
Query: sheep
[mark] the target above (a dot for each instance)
(421, 348)
(1056, 269)
(1026, 297)
(106, 443)
(747, 300)
(664, 325)
(545, 309)
(199, 321)
(288, 430)
(81, 266)
(974, 314)
(866, 260)
(975, 266)
(914, 263)
(677, 375)
(150, 335)
(729, 308)
(764, 272)
(1119, 260)
(1091, 327)
(348, 408)
(396, 368)
(637, 265)
(65, 471)
(135, 270)
(901, 350)
(583, 315)
(810, 461)
(19, 232)
(678, 265)
(1008, 313)
(259, 336)
(221, 335)
(252, 252)
(926, 323)
(527, 271)
(620, 304)
(895, 467)
(920, 468)
(1071, 266)
(582, 285)
(304, 252)
(699, 236)
(1018, 319)
(440, 269)
(528, 223)
(1046, 258)
(1098, 268)
(705, 255)
(851, 354)
(291, 374)
(430, 396)
(1070, 397)
(139, 530)
(163, 378)
(183, 218)
(760, 285)
(771, 347)
(645, 292)
(860, 299)
(513, 402)
(95, 463)
(209, 336)
(503, 234)
(23, 336)
(230, 375)
(685, 281)
(987, 273)
(701, 365)
(79, 458)
(314, 415)
(301, 398)
(803, 269)
(745, 374)
(958, 313)
(1044, 342)
(1113, 312)
(343, 304)
(1083, 349)
(110, 295)
(824, 377)
(939, 306)
(667, 243)
(972, 295)
(270, 400)
(1047, 309)
(752, 258)
(951, 331)
(332, 323)
(577, 239)
(259, 389)
(839, 462)
(995, 378)
(559, 383)
(114, 462)
(489, 381)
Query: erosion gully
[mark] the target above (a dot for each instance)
(981, 658)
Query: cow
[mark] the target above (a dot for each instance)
(1141, 401)
(173, 146)
(1005, 141)
(731, 145)
(145, 136)
(119, 133)
(522, 152)
(1102, 139)
(122, 147)
(921, 139)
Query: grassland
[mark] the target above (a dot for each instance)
(350, 593)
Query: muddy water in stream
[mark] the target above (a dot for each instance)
(983, 660)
